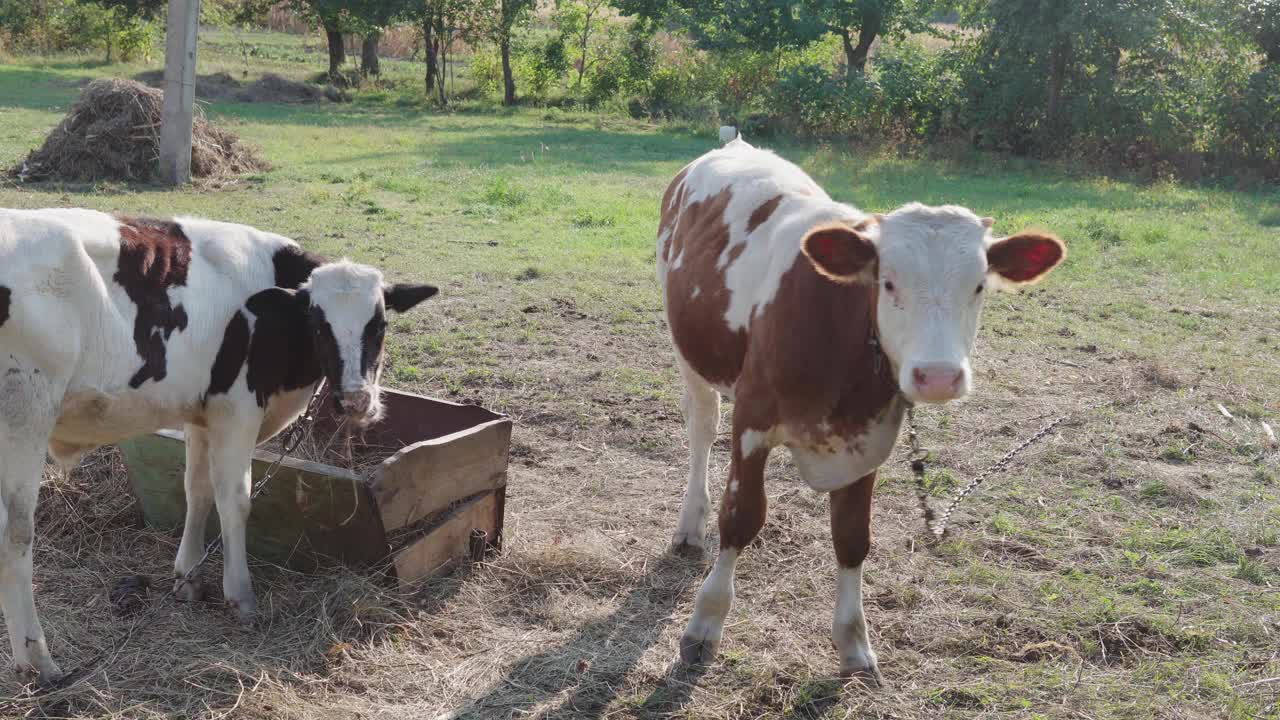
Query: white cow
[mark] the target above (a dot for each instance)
(112, 326)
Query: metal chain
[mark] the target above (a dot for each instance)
(938, 529)
(293, 436)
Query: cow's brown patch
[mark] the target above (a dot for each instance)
(697, 320)
(811, 354)
(851, 521)
(672, 205)
(744, 505)
(4, 304)
(761, 215)
(154, 256)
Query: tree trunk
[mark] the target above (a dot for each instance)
(369, 54)
(430, 52)
(337, 51)
(1059, 58)
(508, 80)
(582, 50)
(855, 56)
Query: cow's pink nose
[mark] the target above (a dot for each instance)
(937, 382)
(355, 403)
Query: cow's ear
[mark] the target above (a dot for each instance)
(278, 301)
(402, 297)
(843, 253)
(1024, 258)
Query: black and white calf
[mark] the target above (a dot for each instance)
(111, 327)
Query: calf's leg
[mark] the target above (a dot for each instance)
(27, 415)
(742, 513)
(702, 416)
(231, 442)
(199, 495)
(851, 534)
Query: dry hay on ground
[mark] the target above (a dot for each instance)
(112, 132)
(270, 88)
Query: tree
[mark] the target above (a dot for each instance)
(364, 17)
(574, 19)
(787, 24)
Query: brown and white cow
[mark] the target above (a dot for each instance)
(822, 323)
(111, 327)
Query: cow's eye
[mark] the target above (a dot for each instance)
(979, 290)
(888, 286)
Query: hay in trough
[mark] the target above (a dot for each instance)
(112, 132)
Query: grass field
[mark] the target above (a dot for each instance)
(1127, 567)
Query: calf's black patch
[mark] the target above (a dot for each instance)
(154, 256)
(293, 266)
(371, 342)
(231, 355)
(282, 355)
(4, 304)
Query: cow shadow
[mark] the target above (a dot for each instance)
(566, 672)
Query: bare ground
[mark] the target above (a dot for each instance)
(1127, 566)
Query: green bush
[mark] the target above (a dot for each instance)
(810, 100)
(922, 91)
(1251, 121)
(76, 26)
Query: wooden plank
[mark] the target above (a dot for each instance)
(450, 542)
(427, 477)
(309, 515)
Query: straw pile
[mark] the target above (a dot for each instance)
(113, 133)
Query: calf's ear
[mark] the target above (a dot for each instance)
(402, 297)
(1025, 258)
(842, 253)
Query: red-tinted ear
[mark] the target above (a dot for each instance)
(844, 254)
(1025, 257)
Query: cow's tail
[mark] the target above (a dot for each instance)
(729, 134)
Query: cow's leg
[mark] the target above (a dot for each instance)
(742, 513)
(27, 414)
(851, 534)
(231, 442)
(199, 493)
(702, 417)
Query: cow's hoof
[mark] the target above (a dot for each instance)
(696, 649)
(688, 545)
(47, 677)
(189, 591)
(245, 609)
(869, 676)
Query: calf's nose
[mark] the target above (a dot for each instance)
(937, 382)
(354, 403)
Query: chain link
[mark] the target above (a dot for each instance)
(937, 527)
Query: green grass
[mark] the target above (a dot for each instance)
(1117, 538)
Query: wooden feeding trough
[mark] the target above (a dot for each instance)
(429, 492)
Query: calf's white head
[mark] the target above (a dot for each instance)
(347, 315)
(934, 266)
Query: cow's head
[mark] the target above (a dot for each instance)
(347, 314)
(934, 267)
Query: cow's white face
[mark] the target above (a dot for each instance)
(347, 313)
(934, 267)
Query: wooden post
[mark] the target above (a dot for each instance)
(179, 91)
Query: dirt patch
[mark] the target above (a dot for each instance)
(270, 88)
(112, 132)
